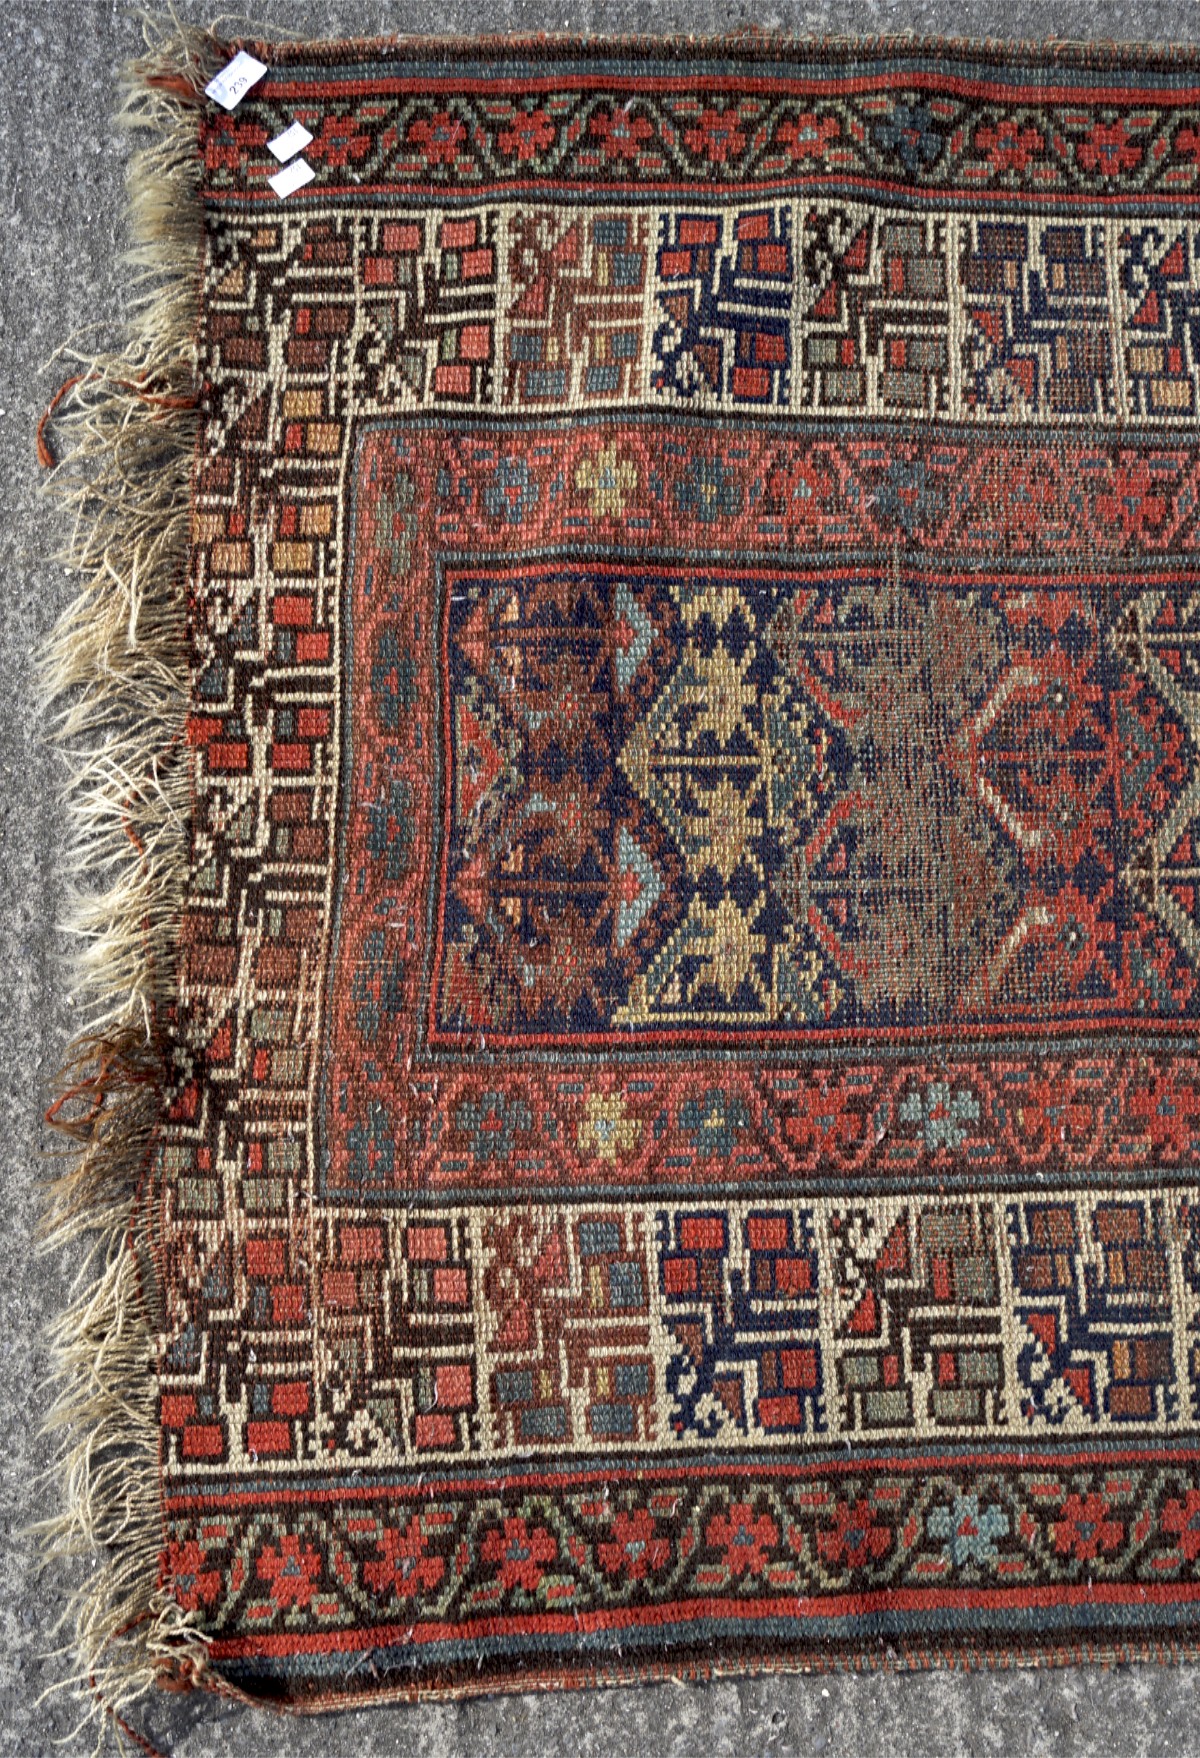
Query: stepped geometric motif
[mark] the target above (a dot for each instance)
(1037, 338)
(920, 1306)
(876, 312)
(1159, 640)
(1161, 312)
(741, 1309)
(574, 326)
(568, 1339)
(460, 1331)
(1094, 1303)
(430, 289)
(764, 802)
(724, 299)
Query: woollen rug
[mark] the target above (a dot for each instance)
(635, 704)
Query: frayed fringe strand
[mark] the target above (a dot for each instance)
(115, 672)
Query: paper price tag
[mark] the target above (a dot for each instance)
(230, 86)
(292, 178)
(293, 140)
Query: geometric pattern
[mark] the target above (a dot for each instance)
(1162, 316)
(806, 305)
(876, 323)
(724, 300)
(697, 785)
(684, 1104)
(575, 321)
(1037, 330)
(753, 1323)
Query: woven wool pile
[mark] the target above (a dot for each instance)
(650, 1092)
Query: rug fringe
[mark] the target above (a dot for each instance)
(115, 675)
